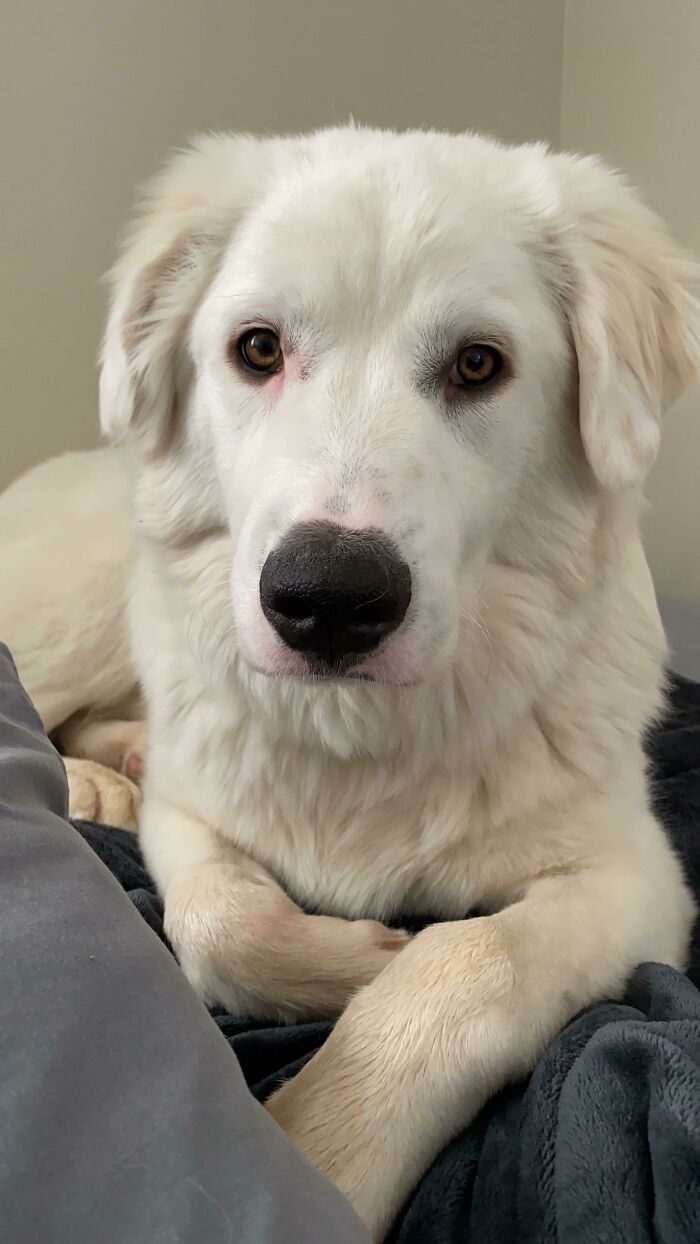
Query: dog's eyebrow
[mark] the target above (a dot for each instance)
(298, 329)
(297, 325)
(440, 342)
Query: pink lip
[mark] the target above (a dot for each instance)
(289, 664)
(391, 666)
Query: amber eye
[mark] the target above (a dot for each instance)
(476, 365)
(260, 350)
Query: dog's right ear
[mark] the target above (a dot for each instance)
(169, 259)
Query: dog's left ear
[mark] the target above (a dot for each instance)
(635, 323)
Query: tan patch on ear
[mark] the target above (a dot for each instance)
(168, 418)
(181, 540)
(154, 327)
(170, 429)
(160, 274)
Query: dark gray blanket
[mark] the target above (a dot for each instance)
(602, 1144)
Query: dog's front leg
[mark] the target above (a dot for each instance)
(467, 1007)
(240, 940)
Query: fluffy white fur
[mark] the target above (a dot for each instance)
(496, 759)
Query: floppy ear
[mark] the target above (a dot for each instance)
(168, 260)
(634, 320)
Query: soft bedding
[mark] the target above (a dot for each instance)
(602, 1143)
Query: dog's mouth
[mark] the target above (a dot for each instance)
(319, 673)
(314, 671)
(293, 667)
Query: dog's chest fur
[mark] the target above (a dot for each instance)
(398, 834)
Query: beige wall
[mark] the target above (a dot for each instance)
(93, 93)
(96, 91)
(631, 90)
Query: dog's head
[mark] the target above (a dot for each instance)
(382, 364)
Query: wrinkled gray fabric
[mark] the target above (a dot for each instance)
(125, 1119)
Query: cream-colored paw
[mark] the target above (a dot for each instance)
(96, 793)
(243, 944)
(364, 947)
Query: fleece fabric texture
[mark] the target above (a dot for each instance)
(602, 1143)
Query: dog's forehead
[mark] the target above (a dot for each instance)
(405, 226)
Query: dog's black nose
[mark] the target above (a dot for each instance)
(330, 592)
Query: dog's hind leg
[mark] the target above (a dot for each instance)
(66, 561)
(104, 763)
(96, 793)
(118, 745)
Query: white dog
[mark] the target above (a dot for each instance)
(388, 400)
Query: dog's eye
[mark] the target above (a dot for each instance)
(260, 350)
(476, 365)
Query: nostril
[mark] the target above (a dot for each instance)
(291, 605)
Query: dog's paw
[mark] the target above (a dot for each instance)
(310, 976)
(244, 945)
(96, 793)
(365, 947)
